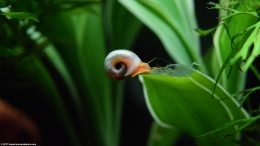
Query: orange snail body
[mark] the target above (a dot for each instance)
(122, 63)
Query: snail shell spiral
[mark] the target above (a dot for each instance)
(122, 63)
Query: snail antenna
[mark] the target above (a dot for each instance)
(160, 59)
(151, 60)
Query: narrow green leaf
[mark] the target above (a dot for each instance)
(255, 52)
(73, 4)
(205, 32)
(248, 92)
(252, 39)
(255, 71)
(246, 121)
(39, 73)
(228, 38)
(58, 63)
(180, 97)
(21, 15)
(14, 52)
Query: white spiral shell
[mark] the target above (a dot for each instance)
(121, 63)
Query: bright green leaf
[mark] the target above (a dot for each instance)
(255, 52)
(21, 15)
(228, 39)
(182, 98)
(205, 32)
(174, 23)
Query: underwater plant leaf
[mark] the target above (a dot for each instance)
(205, 32)
(243, 98)
(228, 40)
(59, 64)
(73, 4)
(160, 136)
(14, 52)
(255, 52)
(245, 122)
(174, 23)
(120, 29)
(255, 71)
(251, 42)
(90, 54)
(89, 72)
(181, 97)
(21, 15)
(120, 26)
(37, 71)
(82, 48)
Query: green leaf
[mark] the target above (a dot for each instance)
(247, 93)
(255, 71)
(83, 50)
(182, 98)
(21, 15)
(243, 52)
(205, 32)
(73, 4)
(37, 71)
(90, 54)
(160, 136)
(228, 40)
(174, 23)
(245, 122)
(255, 52)
(120, 29)
(120, 26)
(14, 52)
(75, 100)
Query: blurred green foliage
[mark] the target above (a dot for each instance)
(64, 42)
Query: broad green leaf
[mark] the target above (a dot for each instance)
(174, 23)
(21, 15)
(181, 97)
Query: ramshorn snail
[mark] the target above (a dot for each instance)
(122, 63)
